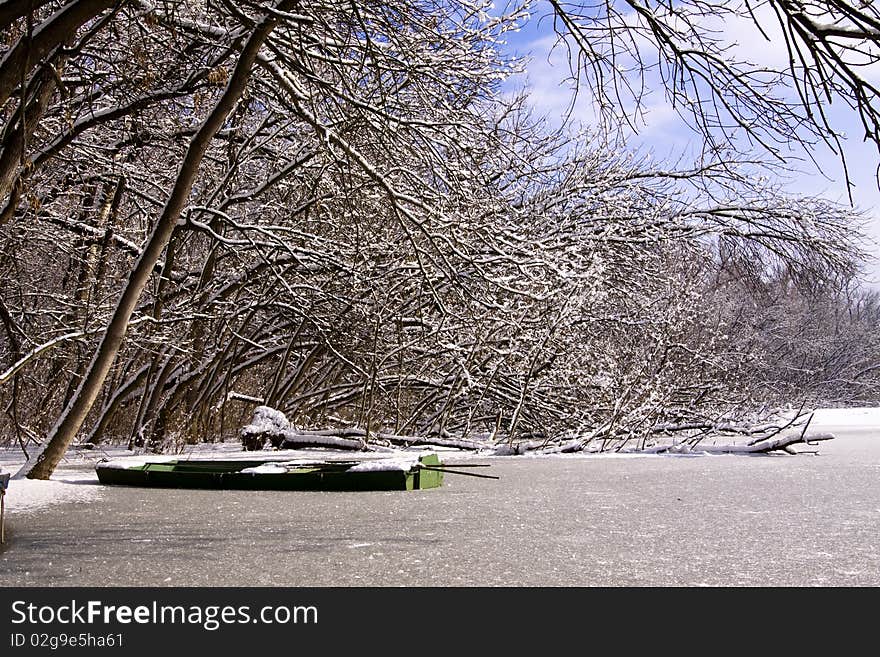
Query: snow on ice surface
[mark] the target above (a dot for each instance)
(862, 418)
(74, 481)
(65, 486)
(32, 494)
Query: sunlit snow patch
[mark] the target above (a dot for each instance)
(25, 495)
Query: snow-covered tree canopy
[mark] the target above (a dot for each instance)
(332, 209)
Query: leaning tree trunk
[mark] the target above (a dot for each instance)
(67, 426)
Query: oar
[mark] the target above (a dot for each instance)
(467, 474)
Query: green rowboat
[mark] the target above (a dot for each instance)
(367, 474)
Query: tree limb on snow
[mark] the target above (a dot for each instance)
(777, 443)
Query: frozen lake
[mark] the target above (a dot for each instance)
(618, 521)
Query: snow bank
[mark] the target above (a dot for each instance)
(26, 495)
(68, 484)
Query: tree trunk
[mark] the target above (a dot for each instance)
(67, 426)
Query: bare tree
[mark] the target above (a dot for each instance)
(333, 209)
(820, 51)
(71, 420)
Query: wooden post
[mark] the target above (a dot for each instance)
(2, 516)
(4, 481)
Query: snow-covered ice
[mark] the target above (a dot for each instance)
(859, 419)
(66, 485)
(33, 495)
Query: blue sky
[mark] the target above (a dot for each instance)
(668, 137)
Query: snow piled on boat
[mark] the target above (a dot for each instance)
(385, 465)
(266, 468)
(136, 461)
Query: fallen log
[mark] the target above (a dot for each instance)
(269, 425)
(298, 440)
(782, 443)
